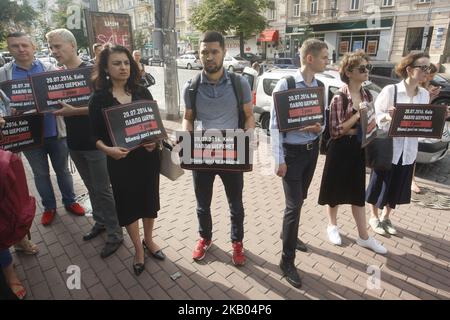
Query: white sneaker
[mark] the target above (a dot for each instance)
(376, 226)
(333, 235)
(372, 244)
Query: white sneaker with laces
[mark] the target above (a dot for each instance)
(333, 235)
(372, 244)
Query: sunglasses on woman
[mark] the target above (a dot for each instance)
(364, 68)
(424, 68)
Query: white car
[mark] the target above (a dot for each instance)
(235, 63)
(430, 150)
(189, 61)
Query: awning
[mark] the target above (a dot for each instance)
(268, 36)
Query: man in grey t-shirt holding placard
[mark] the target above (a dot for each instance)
(216, 106)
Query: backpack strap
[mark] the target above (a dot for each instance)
(193, 88)
(395, 95)
(238, 92)
(290, 80)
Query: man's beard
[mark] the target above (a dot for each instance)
(214, 68)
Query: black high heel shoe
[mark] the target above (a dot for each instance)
(157, 255)
(138, 268)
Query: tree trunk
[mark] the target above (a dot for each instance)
(241, 43)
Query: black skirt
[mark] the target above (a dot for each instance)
(390, 187)
(344, 175)
(135, 184)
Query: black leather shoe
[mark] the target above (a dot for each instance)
(109, 249)
(138, 268)
(291, 274)
(157, 255)
(93, 233)
(301, 246)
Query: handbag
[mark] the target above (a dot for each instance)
(380, 151)
(149, 80)
(170, 169)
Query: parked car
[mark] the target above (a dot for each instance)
(235, 63)
(285, 63)
(45, 58)
(155, 61)
(384, 74)
(430, 150)
(6, 56)
(189, 61)
(251, 57)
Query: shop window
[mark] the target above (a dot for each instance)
(414, 37)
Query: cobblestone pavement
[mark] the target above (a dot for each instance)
(416, 266)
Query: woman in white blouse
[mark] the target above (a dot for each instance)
(393, 187)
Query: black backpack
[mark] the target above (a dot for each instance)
(326, 135)
(237, 88)
(291, 85)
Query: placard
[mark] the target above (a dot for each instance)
(131, 125)
(299, 108)
(343, 47)
(70, 86)
(22, 132)
(418, 120)
(216, 150)
(368, 124)
(20, 94)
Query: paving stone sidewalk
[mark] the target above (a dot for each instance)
(416, 266)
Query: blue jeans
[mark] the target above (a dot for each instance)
(38, 159)
(234, 184)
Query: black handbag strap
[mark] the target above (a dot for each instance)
(395, 95)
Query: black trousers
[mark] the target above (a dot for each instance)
(301, 162)
(234, 184)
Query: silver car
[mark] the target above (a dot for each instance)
(235, 63)
(189, 61)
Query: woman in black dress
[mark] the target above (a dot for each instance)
(134, 174)
(344, 176)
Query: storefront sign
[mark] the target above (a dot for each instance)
(20, 94)
(216, 150)
(131, 125)
(299, 108)
(70, 86)
(22, 132)
(357, 45)
(418, 120)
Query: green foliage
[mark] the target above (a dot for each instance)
(15, 17)
(139, 39)
(240, 17)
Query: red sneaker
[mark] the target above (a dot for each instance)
(201, 248)
(238, 254)
(76, 209)
(48, 216)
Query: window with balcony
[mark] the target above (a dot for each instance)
(354, 5)
(271, 13)
(388, 3)
(297, 4)
(314, 6)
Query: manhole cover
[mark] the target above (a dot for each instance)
(431, 198)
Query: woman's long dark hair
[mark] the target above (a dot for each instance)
(99, 74)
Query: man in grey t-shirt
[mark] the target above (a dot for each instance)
(216, 108)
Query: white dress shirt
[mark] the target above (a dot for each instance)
(402, 145)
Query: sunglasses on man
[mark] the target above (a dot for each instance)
(364, 68)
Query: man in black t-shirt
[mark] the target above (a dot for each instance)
(90, 162)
